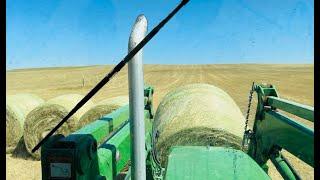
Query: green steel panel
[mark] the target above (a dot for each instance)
(114, 154)
(99, 129)
(105, 163)
(196, 162)
(120, 142)
(278, 129)
(303, 111)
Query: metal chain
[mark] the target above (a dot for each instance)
(249, 106)
(246, 131)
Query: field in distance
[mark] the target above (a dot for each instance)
(294, 82)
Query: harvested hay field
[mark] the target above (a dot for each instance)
(293, 81)
(44, 117)
(17, 108)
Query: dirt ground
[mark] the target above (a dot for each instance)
(294, 82)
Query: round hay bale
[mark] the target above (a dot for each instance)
(102, 108)
(42, 119)
(197, 114)
(17, 108)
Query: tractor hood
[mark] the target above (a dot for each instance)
(199, 162)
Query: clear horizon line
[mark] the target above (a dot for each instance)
(80, 66)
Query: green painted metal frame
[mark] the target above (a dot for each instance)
(301, 110)
(114, 154)
(274, 131)
(100, 128)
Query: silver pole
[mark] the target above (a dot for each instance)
(136, 102)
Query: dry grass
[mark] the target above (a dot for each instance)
(294, 82)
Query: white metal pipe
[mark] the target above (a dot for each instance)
(136, 101)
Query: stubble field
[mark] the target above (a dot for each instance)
(294, 82)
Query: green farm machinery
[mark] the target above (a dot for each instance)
(121, 145)
(77, 156)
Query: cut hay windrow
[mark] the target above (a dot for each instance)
(197, 114)
(42, 119)
(102, 108)
(17, 108)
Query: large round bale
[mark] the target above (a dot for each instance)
(199, 115)
(102, 108)
(17, 108)
(43, 118)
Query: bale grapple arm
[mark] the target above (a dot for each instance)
(273, 131)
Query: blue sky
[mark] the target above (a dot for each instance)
(90, 32)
